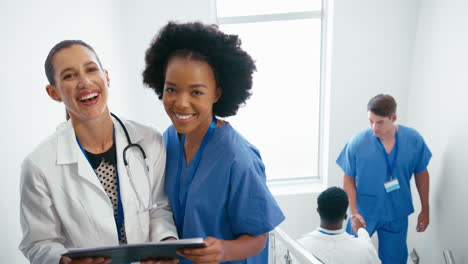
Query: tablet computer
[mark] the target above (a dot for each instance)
(137, 252)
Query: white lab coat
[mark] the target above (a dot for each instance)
(340, 248)
(63, 204)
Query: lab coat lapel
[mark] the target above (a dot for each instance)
(69, 153)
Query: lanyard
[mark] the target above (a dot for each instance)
(120, 215)
(390, 166)
(180, 206)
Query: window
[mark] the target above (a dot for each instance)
(282, 117)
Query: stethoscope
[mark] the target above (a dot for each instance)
(143, 163)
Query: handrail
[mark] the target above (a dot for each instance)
(448, 257)
(299, 253)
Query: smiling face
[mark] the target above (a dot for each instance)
(382, 126)
(80, 83)
(189, 94)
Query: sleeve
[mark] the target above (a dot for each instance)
(161, 218)
(251, 207)
(371, 252)
(372, 256)
(423, 156)
(347, 159)
(363, 235)
(43, 238)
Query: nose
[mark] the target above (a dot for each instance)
(84, 82)
(182, 100)
(373, 126)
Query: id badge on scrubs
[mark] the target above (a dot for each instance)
(392, 185)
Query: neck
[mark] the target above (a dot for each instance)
(194, 139)
(335, 226)
(390, 136)
(95, 136)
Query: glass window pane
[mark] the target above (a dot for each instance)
(229, 8)
(282, 117)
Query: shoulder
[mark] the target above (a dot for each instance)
(362, 137)
(308, 236)
(236, 147)
(170, 134)
(44, 156)
(146, 129)
(310, 240)
(148, 134)
(47, 149)
(410, 135)
(409, 132)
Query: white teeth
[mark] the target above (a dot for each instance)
(89, 96)
(184, 117)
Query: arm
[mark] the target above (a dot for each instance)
(357, 221)
(43, 238)
(372, 256)
(422, 184)
(161, 219)
(217, 250)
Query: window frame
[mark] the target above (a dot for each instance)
(301, 183)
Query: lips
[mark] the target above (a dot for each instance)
(183, 117)
(88, 98)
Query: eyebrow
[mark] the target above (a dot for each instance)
(198, 85)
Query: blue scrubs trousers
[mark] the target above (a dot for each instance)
(392, 239)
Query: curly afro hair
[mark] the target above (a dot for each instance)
(232, 66)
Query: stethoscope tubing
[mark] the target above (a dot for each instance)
(127, 166)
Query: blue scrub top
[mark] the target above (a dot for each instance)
(228, 195)
(362, 158)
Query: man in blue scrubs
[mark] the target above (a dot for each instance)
(378, 164)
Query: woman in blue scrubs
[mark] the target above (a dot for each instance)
(215, 179)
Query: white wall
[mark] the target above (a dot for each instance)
(416, 51)
(119, 31)
(438, 109)
(371, 54)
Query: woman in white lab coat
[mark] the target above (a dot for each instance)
(75, 188)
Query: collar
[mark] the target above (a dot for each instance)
(68, 150)
(96, 159)
(330, 232)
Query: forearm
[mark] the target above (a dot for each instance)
(422, 184)
(161, 224)
(349, 185)
(245, 246)
(161, 218)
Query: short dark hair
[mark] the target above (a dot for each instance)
(382, 105)
(49, 68)
(232, 66)
(332, 205)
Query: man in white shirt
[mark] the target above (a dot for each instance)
(329, 242)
